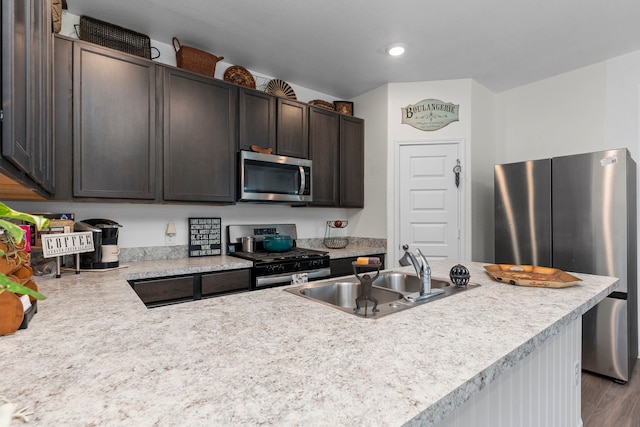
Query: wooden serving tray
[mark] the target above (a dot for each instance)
(531, 275)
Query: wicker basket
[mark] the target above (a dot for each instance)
(114, 37)
(336, 242)
(56, 15)
(195, 60)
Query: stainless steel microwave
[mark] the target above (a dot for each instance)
(272, 178)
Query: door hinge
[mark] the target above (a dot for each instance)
(1, 115)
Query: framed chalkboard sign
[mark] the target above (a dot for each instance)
(205, 237)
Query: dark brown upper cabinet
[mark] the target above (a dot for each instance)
(324, 152)
(336, 147)
(41, 110)
(26, 93)
(256, 119)
(292, 129)
(200, 137)
(63, 117)
(114, 110)
(351, 162)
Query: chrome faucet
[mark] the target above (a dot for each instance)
(422, 267)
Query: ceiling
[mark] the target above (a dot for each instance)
(338, 47)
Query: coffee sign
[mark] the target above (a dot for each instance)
(430, 114)
(58, 244)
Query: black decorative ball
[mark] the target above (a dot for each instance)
(459, 275)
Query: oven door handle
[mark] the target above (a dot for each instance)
(288, 277)
(303, 181)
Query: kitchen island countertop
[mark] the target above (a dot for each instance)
(95, 355)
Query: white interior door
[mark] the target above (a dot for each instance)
(429, 216)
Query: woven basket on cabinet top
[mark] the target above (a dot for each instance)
(115, 37)
(195, 60)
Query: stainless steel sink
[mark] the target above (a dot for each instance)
(344, 294)
(393, 291)
(406, 282)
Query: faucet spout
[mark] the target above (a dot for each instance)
(422, 267)
(425, 279)
(417, 265)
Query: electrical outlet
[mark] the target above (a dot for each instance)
(169, 240)
(577, 373)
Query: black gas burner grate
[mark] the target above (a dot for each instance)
(296, 253)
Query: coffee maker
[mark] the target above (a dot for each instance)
(105, 244)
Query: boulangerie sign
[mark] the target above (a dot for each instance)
(430, 114)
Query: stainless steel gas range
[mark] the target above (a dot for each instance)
(276, 268)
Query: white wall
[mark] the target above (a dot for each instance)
(144, 225)
(622, 110)
(480, 172)
(403, 94)
(372, 220)
(558, 116)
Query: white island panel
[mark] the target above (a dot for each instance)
(543, 390)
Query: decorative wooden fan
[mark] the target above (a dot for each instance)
(281, 88)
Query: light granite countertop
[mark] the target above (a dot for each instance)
(95, 355)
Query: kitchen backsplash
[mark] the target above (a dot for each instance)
(356, 242)
(156, 253)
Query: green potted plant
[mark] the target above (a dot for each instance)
(14, 273)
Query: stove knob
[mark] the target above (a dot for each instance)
(297, 265)
(274, 268)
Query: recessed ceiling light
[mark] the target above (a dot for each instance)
(395, 50)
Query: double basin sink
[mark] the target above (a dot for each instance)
(394, 292)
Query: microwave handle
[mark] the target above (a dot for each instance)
(303, 182)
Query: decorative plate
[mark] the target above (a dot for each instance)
(529, 275)
(344, 107)
(280, 88)
(322, 104)
(240, 76)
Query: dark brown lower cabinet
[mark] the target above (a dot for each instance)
(344, 267)
(165, 290)
(226, 281)
(170, 290)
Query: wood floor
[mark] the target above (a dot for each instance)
(608, 404)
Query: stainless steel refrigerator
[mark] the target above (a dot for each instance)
(578, 213)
